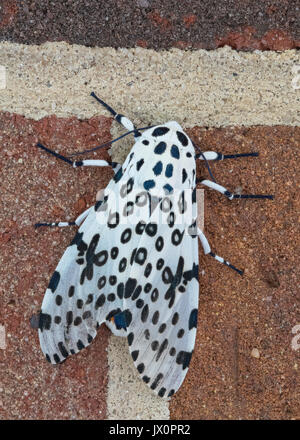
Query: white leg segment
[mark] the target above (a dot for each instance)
(207, 251)
(83, 216)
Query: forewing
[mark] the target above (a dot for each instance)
(88, 284)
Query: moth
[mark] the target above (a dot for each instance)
(133, 264)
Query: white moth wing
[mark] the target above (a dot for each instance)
(161, 312)
(88, 284)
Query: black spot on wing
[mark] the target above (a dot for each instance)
(56, 358)
(194, 198)
(156, 381)
(86, 314)
(130, 287)
(71, 291)
(184, 358)
(77, 239)
(154, 345)
(141, 256)
(113, 220)
(141, 368)
(112, 314)
(54, 281)
(118, 175)
(120, 321)
(128, 317)
(155, 317)
(168, 188)
(145, 313)
(58, 300)
(111, 297)
(151, 229)
(69, 317)
(97, 205)
(161, 349)
(130, 339)
(139, 164)
(162, 392)
(100, 301)
(57, 319)
(157, 169)
(63, 350)
(160, 148)
(120, 290)
(160, 131)
(175, 318)
(169, 170)
(80, 344)
(44, 321)
(135, 354)
(175, 152)
(149, 184)
(182, 138)
(136, 294)
(114, 252)
(148, 270)
(101, 282)
(188, 275)
(126, 235)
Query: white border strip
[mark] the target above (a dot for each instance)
(206, 88)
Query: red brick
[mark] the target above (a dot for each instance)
(258, 310)
(42, 188)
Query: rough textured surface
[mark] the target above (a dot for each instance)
(239, 317)
(244, 366)
(35, 187)
(203, 88)
(128, 397)
(154, 23)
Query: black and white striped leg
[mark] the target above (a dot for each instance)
(52, 225)
(214, 155)
(229, 195)
(77, 222)
(118, 117)
(82, 163)
(207, 251)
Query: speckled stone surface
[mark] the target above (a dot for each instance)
(35, 187)
(128, 397)
(158, 24)
(244, 366)
(206, 88)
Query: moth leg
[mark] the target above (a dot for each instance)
(118, 117)
(229, 195)
(81, 163)
(207, 251)
(214, 155)
(77, 222)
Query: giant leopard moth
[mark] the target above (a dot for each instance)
(133, 263)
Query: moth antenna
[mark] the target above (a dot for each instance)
(111, 110)
(206, 162)
(106, 144)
